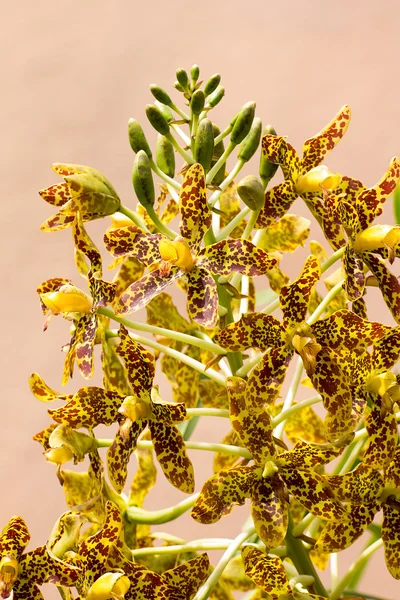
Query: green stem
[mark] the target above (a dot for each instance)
(208, 412)
(134, 514)
(225, 183)
(285, 414)
(186, 157)
(332, 259)
(301, 560)
(159, 224)
(168, 180)
(222, 159)
(133, 216)
(303, 525)
(181, 134)
(361, 568)
(178, 110)
(207, 446)
(232, 224)
(193, 131)
(290, 396)
(325, 302)
(205, 591)
(242, 372)
(201, 545)
(168, 333)
(187, 360)
(222, 135)
(352, 571)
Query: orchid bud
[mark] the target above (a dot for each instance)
(137, 139)
(251, 191)
(157, 119)
(182, 78)
(160, 94)
(216, 97)
(142, 179)
(165, 156)
(243, 122)
(204, 144)
(194, 73)
(197, 102)
(212, 84)
(164, 111)
(251, 142)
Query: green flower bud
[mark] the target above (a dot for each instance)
(165, 111)
(157, 119)
(182, 78)
(165, 156)
(243, 122)
(178, 87)
(137, 139)
(197, 102)
(142, 179)
(212, 84)
(267, 169)
(251, 191)
(251, 142)
(204, 144)
(218, 151)
(194, 73)
(160, 94)
(216, 97)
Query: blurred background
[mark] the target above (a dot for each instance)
(72, 75)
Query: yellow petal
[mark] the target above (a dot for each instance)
(375, 237)
(317, 179)
(59, 455)
(67, 299)
(109, 585)
(135, 409)
(177, 253)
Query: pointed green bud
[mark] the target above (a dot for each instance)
(218, 151)
(182, 78)
(216, 97)
(165, 111)
(165, 156)
(160, 94)
(157, 119)
(243, 122)
(178, 87)
(204, 144)
(197, 102)
(251, 142)
(142, 179)
(251, 191)
(194, 73)
(137, 139)
(212, 84)
(267, 169)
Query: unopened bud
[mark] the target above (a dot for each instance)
(251, 142)
(216, 97)
(197, 102)
(243, 122)
(164, 111)
(157, 119)
(142, 179)
(182, 78)
(212, 84)
(165, 156)
(195, 72)
(137, 139)
(218, 151)
(267, 169)
(204, 144)
(160, 94)
(251, 191)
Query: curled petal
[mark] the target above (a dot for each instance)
(139, 293)
(221, 492)
(57, 194)
(253, 330)
(195, 212)
(43, 392)
(235, 256)
(278, 200)
(84, 244)
(316, 148)
(355, 278)
(266, 571)
(171, 454)
(370, 202)
(269, 509)
(85, 344)
(139, 363)
(391, 537)
(132, 241)
(120, 451)
(89, 407)
(14, 538)
(278, 151)
(202, 298)
(339, 535)
(294, 297)
(387, 282)
(57, 222)
(266, 379)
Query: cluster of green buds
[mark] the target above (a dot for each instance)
(316, 471)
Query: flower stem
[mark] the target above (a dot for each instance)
(168, 180)
(290, 396)
(207, 446)
(159, 224)
(207, 412)
(325, 302)
(351, 572)
(133, 514)
(332, 259)
(133, 216)
(168, 333)
(232, 224)
(226, 182)
(205, 590)
(285, 414)
(222, 159)
(200, 545)
(186, 157)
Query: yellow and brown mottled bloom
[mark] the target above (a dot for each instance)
(271, 479)
(304, 177)
(184, 257)
(84, 190)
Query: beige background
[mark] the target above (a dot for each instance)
(72, 75)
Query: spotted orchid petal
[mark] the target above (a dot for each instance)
(140, 292)
(85, 345)
(162, 312)
(294, 297)
(278, 151)
(57, 222)
(133, 241)
(120, 451)
(305, 455)
(139, 363)
(195, 212)
(355, 278)
(278, 200)
(43, 392)
(235, 256)
(254, 430)
(57, 194)
(14, 538)
(188, 577)
(316, 148)
(89, 407)
(313, 492)
(383, 436)
(266, 379)
(369, 203)
(171, 454)
(387, 282)
(145, 476)
(131, 270)
(339, 535)
(222, 492)
(186, 381)
(363, 485)
(86, 246)
(286, 235)
(253, 330)
(391, 537)
(202, 297)
(392, 478)
(269, 509)
(266, 571)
